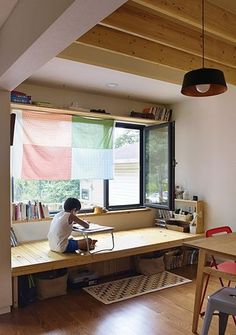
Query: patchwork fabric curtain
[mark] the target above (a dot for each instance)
(61, 147)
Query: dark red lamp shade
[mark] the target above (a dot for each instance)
(204, 82)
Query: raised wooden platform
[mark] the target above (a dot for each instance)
(32, 257)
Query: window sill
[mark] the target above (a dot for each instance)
(84, 215)
(31, 220)
(122, 211)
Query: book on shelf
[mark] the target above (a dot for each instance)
(13, 238)
(46, 211)
(20, 97)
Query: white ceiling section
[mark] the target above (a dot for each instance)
(68, 74)
(36, 31)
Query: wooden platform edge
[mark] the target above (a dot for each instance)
(43, 259)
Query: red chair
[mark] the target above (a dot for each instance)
(228, 267)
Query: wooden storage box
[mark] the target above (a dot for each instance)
(175, 227)
(178, 225)
(183, 217)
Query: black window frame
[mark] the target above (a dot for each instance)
(106, 182)
(171, 167)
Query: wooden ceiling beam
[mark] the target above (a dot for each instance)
(105, 58)
(218, 21)
(143, 24)
(136, 47)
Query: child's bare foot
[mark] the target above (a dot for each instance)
(92, 245)
(84, 246)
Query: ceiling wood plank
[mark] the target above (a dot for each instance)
(136, 47)
(218, 21)
(105, 58)
(141, 23)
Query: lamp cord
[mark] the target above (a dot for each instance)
(203, 34)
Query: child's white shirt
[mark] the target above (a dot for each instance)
(59, 232)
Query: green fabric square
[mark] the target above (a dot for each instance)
(92, 133)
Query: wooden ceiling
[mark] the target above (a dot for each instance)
(160, 39)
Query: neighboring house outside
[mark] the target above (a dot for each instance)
(124, 188)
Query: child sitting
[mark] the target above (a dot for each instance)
(61, 229)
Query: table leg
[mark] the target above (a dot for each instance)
(15, 292)
(107, 249)
(86, 239)
(199, 287)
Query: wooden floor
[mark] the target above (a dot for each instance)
(167, 312)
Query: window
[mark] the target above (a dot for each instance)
(142, 166)
(54, 192)
(125, 189)
(159, 166)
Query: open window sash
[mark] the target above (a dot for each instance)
(159, 166)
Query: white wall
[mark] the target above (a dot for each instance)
(31, 231)
(63, 98)
(206, 154)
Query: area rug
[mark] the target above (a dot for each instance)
(127, 288)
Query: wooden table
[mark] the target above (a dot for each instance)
(223, 246)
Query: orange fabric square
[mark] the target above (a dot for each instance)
(44, 129)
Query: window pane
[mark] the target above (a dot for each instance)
(54, 193)
(91, 193)
(124, 189)
(156, 163)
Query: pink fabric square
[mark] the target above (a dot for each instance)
(46, 163)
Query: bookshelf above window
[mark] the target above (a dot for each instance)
(121, 118)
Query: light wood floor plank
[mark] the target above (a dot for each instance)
(166, 312)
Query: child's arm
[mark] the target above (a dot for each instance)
(74, 218)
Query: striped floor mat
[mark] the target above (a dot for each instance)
(127, 288)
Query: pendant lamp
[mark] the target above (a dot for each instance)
(203, 82)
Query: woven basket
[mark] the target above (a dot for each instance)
(51, 284)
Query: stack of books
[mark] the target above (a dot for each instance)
(163, 216)
(20, 97)
(159, 113)
(30, 211)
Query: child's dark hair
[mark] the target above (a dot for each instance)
(72, 203)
